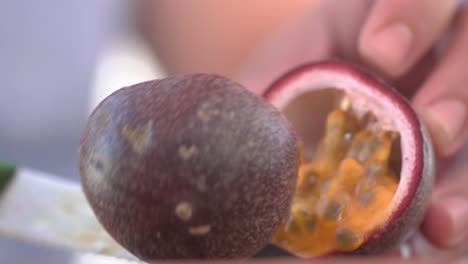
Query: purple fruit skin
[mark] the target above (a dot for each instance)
(409, 215)
(197, 139)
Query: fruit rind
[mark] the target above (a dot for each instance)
(407, 220)
(409, 212)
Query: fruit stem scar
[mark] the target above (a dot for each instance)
(184, 211)
(199, 230)
(139, 137)
(186, 152)
(205, 115)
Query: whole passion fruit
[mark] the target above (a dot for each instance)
(367, 167)
(191, 166)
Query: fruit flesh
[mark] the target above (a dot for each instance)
(343, 191)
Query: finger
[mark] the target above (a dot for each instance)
(418, 246)
(316, 36)
(409, 83)
(443, 99)
(446, 222)
(399, 32)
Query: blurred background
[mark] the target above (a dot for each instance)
(60, 58)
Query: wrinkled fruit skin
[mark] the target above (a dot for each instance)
(406, 220)
(191, 166)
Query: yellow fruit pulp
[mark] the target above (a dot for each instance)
(343, 191)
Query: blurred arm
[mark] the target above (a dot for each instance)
(210, 35)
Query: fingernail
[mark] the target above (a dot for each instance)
(447, 119)
(391, 45)
(457, 212)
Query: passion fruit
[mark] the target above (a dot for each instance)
(330, 161)
(191, 166)
(367, 167)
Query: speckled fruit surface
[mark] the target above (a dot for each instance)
(306, 94)
(191, 166)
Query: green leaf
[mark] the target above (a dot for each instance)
(7, 171)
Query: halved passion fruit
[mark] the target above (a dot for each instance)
(367, 163)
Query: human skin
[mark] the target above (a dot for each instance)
(395, 38)
(219, 41)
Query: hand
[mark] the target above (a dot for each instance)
(419, 46)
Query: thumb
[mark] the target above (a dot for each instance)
(446, 222)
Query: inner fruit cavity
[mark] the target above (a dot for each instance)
(343, 190)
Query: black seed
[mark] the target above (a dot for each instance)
(366, 197)
(333, 210)
(310, 223)
(304, 212)
(368, 119)
(364, 185)
(345, 238)
(365, 152)
(325, 184)
(292, 226)
(376, 169)
(363, 146)
(309, 183)
(308, 218)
